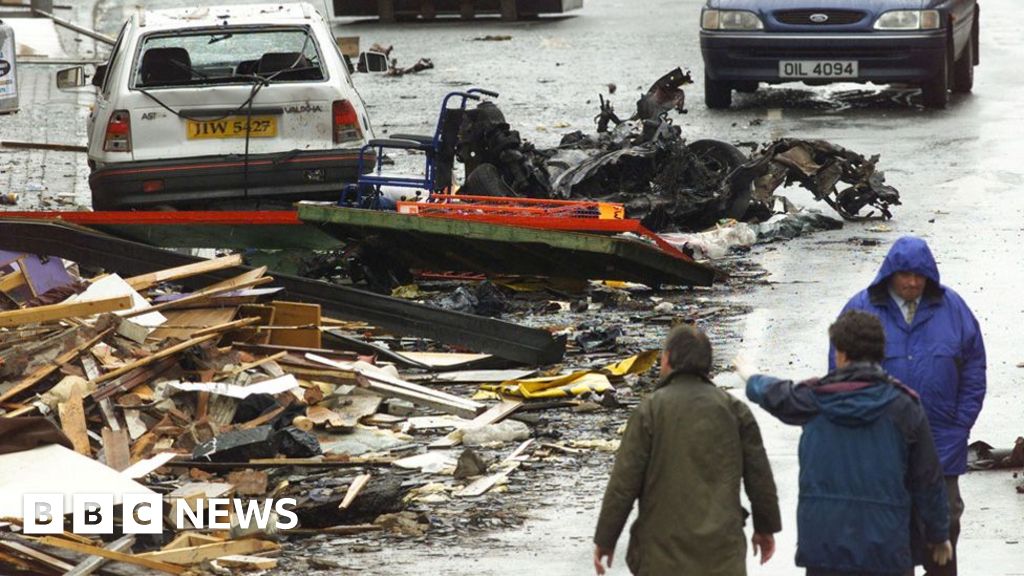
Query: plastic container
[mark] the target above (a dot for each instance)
(8, 71)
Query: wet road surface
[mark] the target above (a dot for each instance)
(958, 171)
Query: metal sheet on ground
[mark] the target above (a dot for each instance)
(446, 244)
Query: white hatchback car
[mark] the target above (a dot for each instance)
(200, 107)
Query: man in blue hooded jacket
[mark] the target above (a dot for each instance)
(867, 460)
(934, 346)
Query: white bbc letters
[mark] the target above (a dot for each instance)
(92, 513)
(142, 514)
(43, 513)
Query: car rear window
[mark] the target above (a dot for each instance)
(227, 56)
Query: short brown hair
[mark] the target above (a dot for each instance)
(689, 350)
(859, 335)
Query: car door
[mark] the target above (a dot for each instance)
(95, 124)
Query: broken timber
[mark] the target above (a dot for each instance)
(472, 246)
(88, 248)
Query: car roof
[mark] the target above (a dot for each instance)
(206, 16)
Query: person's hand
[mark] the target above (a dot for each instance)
(600, 553)
(765, 543)
(942, 553)
(743, 366)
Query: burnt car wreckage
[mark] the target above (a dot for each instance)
(671, 184)
(644, 163)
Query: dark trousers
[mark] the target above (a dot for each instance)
(956, 510)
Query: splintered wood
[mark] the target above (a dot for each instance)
(220, 391)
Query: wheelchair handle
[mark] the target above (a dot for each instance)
(489, 93)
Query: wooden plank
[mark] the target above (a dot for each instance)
(142, 468)
(72, 422)
(496, 413)
(236, 282)
(197, 296)
(220, 328)
(13, 281)
(383, 383)
(264, 313)
(44, 371)
(112, 555)
(299, 315)
(116, 449)
(482, 485)
(198, 554)
(145, 281)
(93, 563)
(64, 310)
(244, 562)
(190, 539)
(18, 563)
(38, 556)
(152, 358)
(255, 364)
(191, 323)
(353, 490)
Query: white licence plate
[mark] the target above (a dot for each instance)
(817, 69)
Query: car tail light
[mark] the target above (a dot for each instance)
(150, 186)
(119, 132)
(345, 122)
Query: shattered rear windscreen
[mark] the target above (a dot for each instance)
(228, 56)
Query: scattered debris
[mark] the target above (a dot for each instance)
(662, 179)
(982, 456)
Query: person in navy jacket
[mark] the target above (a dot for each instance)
(869, 473)
(934, 346)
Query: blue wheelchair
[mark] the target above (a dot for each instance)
(374, 188)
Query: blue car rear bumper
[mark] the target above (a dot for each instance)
(883, 58)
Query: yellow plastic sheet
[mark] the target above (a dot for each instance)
(576, 383)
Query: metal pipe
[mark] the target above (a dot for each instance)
(75, 27)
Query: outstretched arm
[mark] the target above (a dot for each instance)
(792, 403)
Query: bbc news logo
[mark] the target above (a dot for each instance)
(143, 513)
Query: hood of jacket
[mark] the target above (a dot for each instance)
(856, 395)
(908, 254)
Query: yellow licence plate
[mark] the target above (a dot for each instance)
(232, 127)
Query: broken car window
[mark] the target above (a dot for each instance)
(224, 57)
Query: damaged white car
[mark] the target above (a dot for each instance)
(222, 106)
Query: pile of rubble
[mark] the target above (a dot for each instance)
(135, 386)
(671, 184)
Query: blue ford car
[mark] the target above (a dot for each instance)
(930, 43)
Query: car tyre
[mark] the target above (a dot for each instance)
(935, 92)
(717, 93)
(963, 70)
(721, 159)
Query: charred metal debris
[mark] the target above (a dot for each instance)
(669, 182)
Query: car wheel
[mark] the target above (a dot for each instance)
(718, 160)
(963, 69)
(717, 93)
(935, 92)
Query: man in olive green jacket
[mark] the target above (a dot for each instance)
(684, 452)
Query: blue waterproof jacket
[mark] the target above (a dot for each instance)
(941, 355)
(869, 475)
